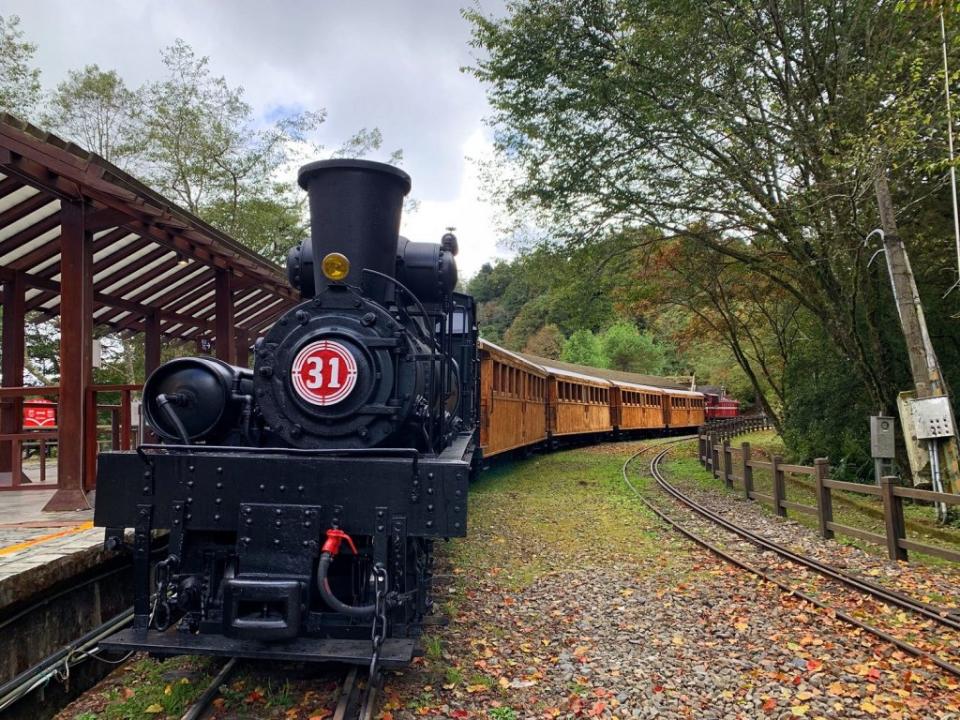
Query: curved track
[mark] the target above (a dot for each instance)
(886, 596)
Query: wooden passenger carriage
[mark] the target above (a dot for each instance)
(577, 404)
(513, 394)
(684, 409)
(637, 407)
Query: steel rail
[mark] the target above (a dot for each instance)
(849, 619)
(356, 701)
(885, 595)
(200, 706)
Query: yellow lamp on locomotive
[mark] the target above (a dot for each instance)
(335, 266)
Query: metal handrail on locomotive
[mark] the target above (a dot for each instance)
(302, 498)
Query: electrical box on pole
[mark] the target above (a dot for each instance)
(882, 437)
(926, 414)
(883, 441)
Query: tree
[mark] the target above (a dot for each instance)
(203, 147)
(626, 348)
(583, 348)
(526, 323)
(19, 82)
(547, 342)
(96, 109)
(750, 129)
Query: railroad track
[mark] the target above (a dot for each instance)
(357, 697)
(829, 574)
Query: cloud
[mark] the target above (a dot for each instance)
(473, 219)
(393, 65)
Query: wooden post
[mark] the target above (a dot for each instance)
(125, 420)
(701, 448)
(76, 374)
(714, 456)
(779, 488)
(226, 340)
(243, 348)
(893, 518)
(824, 499)
(114, 428)
(151, 345)
(727, 464)
(747, 470)
(91, 446)
(12, 352)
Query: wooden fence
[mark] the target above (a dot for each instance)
(737, 467)
(107, 426)
(729, 427)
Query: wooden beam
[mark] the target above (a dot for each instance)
(226, 337)
(47, 166)
(151, 345)
(13, 349)
(24, 208)
(256, 323)
(131, 267)
(9, 184)
(76, 336)
(48, 250)
(163, 301)
(106, 218)
(29, 233)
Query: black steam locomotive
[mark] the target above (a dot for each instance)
(302, 498)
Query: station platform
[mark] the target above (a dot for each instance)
(31, 539)
(57, 582)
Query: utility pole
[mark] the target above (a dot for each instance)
(939, 459)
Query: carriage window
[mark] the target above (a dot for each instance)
(496, 377)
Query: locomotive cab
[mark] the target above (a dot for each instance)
(302, 497)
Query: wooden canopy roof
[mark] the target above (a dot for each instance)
(150, 257)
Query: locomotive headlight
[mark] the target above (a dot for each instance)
(335, 266)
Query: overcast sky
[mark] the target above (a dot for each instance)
(390, 64)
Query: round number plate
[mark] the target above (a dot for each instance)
(324, 372)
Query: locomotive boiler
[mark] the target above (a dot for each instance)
(303, 497)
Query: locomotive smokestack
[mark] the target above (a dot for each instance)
(355, 208)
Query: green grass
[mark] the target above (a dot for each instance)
(154, 688)
(766, 441)
(540, 515)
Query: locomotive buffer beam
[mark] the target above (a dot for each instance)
(394, 653)
(216, 484)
